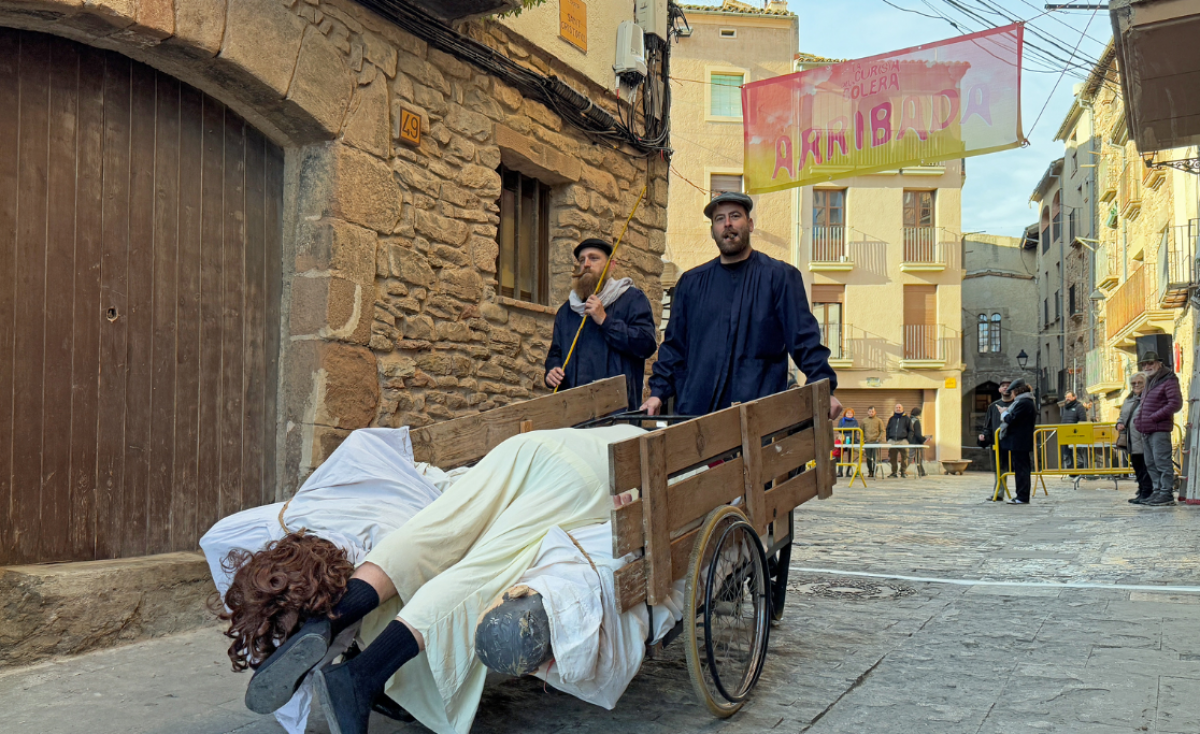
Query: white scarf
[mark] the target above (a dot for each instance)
(612, 290)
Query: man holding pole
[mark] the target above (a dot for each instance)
(617, 335)
(735, 320)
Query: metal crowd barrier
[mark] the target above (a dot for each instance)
(1090, 446)
(852, 446)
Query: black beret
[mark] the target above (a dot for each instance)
(595, 242)
(729, 197)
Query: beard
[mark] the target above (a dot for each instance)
(732, 242)
(585, 284)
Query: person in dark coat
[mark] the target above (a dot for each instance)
(619, 337)
(899, 428)
(991, 424)
(734, 322)
(1155, 419)
(917, 438)
(1016, 437)
(1073, 411)
(1132, 441)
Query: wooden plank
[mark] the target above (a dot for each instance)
(687, 501)
(9, 100)
(788, 453)
(87, 319)
(163, 315)
(114, 335)
(687, 444)
(781, 410)
(233, 496)
(254, 334)
(823, 434)
(624, 466)
(791, 494)
(273, 232)
(656, 517)
(184, 482)
(139, 395)
(30, 274)
(753, 478)
(54, 524)
(630, 579)
(460, 441)
(212, 237)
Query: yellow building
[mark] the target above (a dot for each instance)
(1144, 264)
(729, 45)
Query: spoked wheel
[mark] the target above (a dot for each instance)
(777, 567)
(728, 611)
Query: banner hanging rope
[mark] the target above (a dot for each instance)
(600, 282)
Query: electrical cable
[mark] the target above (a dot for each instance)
(1052, 91)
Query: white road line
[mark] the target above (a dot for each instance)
(981, 582)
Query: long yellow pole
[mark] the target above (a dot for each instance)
(600, 283)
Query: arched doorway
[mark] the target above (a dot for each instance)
(975, 408)
(139, 306)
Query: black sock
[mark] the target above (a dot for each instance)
(394, 647)
(359, 599)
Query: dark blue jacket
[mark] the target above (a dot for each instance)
(1022, 420)
(768, 320)
(620, 346)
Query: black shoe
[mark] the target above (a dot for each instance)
(1159, 499)
(1139, 499)
(903, 475)
(347, 710)
(387, 706)
(1016, 501)
(278, 677)
(891, 476)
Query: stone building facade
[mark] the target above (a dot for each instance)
(390, 306)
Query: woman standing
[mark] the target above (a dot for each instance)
(1016, 437)
(916, 438)
(1131, 439)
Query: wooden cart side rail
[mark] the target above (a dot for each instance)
(460, 441)
(685, 445)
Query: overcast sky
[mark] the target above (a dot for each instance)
(996, 197)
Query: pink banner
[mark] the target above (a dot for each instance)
(951, 99)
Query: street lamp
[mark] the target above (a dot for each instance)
(1022, 359)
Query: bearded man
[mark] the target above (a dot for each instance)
(735, 320)
(620, 337)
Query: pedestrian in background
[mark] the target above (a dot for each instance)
(874, 431)
(917, 438)
(848, 439)
(1071, 412)
(1130, 439)
(1161, 400)
(898, 428)
(991, 424)
(1016, 437)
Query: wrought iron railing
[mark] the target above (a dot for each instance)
(921, 246)
(1177, 263)
(1105, 369)
(924, 341)
(829, 245)
(1130, 300)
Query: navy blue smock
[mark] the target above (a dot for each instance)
(732, 328)
(620, 346)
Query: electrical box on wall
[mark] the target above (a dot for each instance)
(630, 64)
(651, 17)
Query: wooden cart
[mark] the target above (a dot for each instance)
(714, 506)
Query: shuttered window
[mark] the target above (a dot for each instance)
(725, 183)
(524, 238)
(920, 319)
(726, 95)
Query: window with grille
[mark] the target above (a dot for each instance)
(984, 339)
(524, 238)
(995, 347)
(726, 95)
(724, 183)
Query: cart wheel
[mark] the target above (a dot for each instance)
(728, 611)
(777, 568)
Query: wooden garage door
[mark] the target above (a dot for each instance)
(139, 292)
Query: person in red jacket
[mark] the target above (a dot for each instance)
(1161, 400)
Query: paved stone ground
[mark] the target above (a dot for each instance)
(854, 655)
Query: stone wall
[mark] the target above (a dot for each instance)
(390, 310)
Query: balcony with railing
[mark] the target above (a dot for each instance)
(924, 346)
(1177, 264)
(1129, 197)
(1132, 310)
(1106, 181)
(1105, 371)
(829, 249)
(834, 337)
(1107, 268)
(923, 250)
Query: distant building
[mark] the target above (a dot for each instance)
(999, 322)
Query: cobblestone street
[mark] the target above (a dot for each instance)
(1049, 646)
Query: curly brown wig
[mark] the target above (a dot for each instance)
(275, 590)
